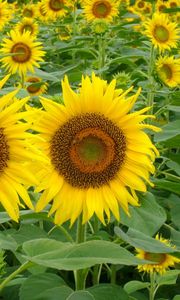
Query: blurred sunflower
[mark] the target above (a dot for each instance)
(55, 8)
(5, 13)
(41, 14)
(162, 32)
(161, 6)
(100, 9)
(27, 52)
(27, 25)
(98, 154)
(174, 3)
(29, 11)
(162, 260)
(35, 85)
(168, 69)
(15, 152)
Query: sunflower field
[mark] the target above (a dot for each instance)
(89, 150)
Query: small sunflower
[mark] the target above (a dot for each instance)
(27, 52)
(162, 32)
(55, 8)
(100, 9)
(161, 6)
(35, 85)
(98, 154)
(64, 32)
(168, 69)
(5, 13)
(174, 3)
(14, 156)
(29, 11)
(27, 25)
(162, 260)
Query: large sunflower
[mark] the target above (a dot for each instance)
(98, 154)
(168, 69)
(55, 8)
(162, 32)
(15, 153)
(162, 260)
(26, 52)
(100, 9)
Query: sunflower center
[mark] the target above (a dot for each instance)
(173, 4)
(157, 257)
(27, 27)
(23, 52)
(4, 151)
(27, 13)
(162, 7)
(32, 88)
(161, 34)
(141, 4)
(166, 71)
(88, 150)
(56, 5)
(101, 9)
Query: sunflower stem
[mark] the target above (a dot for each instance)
(152, 286)
(74, 30)
(22, 268)
(80, 275)
(151, 93)
(101, 58)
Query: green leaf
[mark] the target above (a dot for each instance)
(174, 108)
(7, 242)
(167, 185)
(108, 291)
(4, 217)
(175, 236)
(174, 166)
(170, 277)
(168, 131)
(177, 297)
(28, 232)
(147, 218)
(66, 256)
(57, 293)
(133, 286)
(36, 285)
(140, 240)
(81, 295)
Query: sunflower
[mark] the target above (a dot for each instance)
(5, 13)
(168, 69)
(14, 155)
(28, 52)
(98, 154)
(35, 85)
(29, 11)
(100, 9)
(55, 8)
(41, 14)
(174, 3)
(162, 260)
(161, 6)
(162, 32)
(27, 25)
